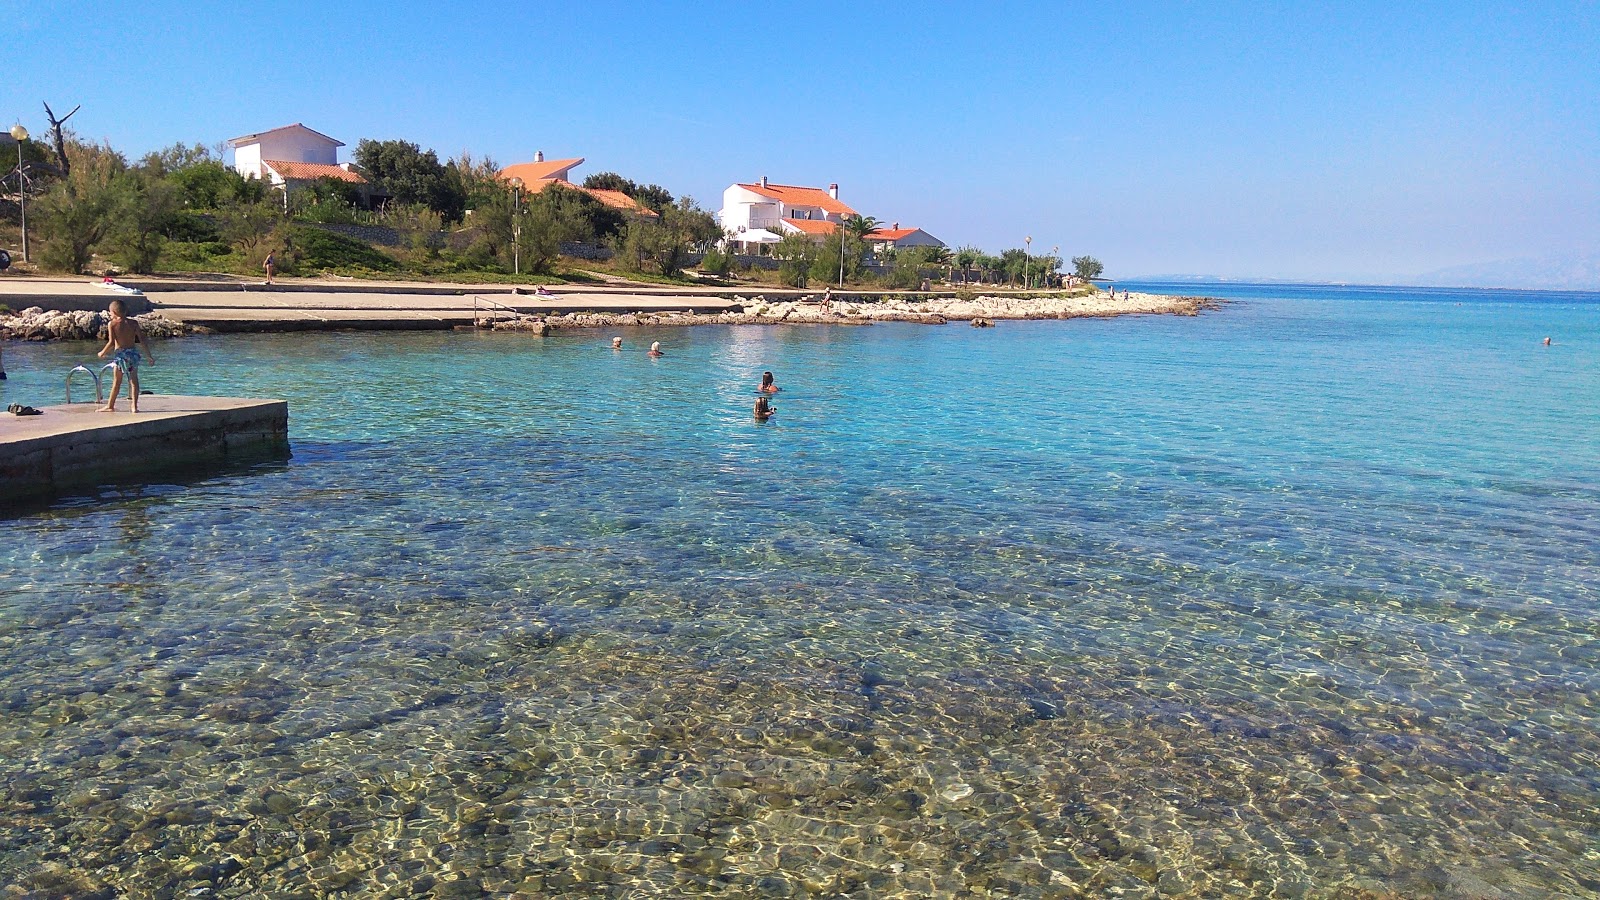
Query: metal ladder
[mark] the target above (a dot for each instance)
(495, 308)
(99, 391)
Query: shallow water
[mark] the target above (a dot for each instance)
(1293, 599)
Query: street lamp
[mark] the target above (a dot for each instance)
(841, 252)
(21, 134)
(1053, 251)
(1026, 258)
(516, 224)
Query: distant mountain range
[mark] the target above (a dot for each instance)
(1572, 272)
(1555, 273)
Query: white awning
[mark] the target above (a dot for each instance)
(756, 236)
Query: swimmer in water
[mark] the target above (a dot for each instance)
(616, 343)
(655, 348)
(767, 385)
(1547, 342)
(763, 410)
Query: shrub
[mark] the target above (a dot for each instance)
(192, 227)
(716, 262)
(794, 272)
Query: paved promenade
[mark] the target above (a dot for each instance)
(237, 305)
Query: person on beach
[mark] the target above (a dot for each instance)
(616, 343)
(124, 339)
(763, 410)
(540, 291)
(827, 298)
(768, 386)
(655, 348)
(270, 264)
(3, 363)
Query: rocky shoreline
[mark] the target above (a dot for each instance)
(979, 311)
(36, 324)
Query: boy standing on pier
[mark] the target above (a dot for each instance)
(123, 337)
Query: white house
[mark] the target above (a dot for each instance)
(894, 237)
(288, 154)
(782, 209)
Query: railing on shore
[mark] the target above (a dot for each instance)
(495, 308)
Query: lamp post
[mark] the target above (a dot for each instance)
(1027, 245)
(21, 134)
(1053, 251)
(841, 251)
(516, 225)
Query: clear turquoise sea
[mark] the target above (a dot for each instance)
(1293, 599)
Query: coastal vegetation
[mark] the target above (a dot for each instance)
(183, 209)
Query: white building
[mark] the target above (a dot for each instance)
(894, 238)
(291, 153)
(781, 209)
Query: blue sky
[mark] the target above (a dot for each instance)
(1354, 141)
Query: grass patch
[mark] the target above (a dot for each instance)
(320, 250)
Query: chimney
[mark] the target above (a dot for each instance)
(833, 191)
(763, 181)
(538, 156)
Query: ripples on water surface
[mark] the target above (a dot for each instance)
(1294, 599)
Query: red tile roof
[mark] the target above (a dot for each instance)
(255, 138)
(621, 201)
(889, 234)
(530, 172)
(310, 171)
(794, 195)
(615, 199)
(812, 226)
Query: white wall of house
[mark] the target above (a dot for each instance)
(247, 161)
(919, 238)
(292, 144)
(748, 210)
(745, 208)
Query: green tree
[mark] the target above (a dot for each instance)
(178, 157)
(665, 243)
(654, 197)
(247, 226)
(610, 181)
(208, 184)
(651, 196)
(1087, 267)
(409, 174)
(79, 211)
(149, 204)
(796, 254)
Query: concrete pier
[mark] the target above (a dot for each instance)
(75, 445)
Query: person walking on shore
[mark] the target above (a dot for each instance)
(270, 264)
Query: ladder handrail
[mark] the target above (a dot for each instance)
(99, 395)
(493, 305)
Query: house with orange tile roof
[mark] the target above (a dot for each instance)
(541, 174)
(894, 238)
(293, 153)
(782, 209)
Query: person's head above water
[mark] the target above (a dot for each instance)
(616, 343)
(766, 378)
(118, 308)
(655, 346)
